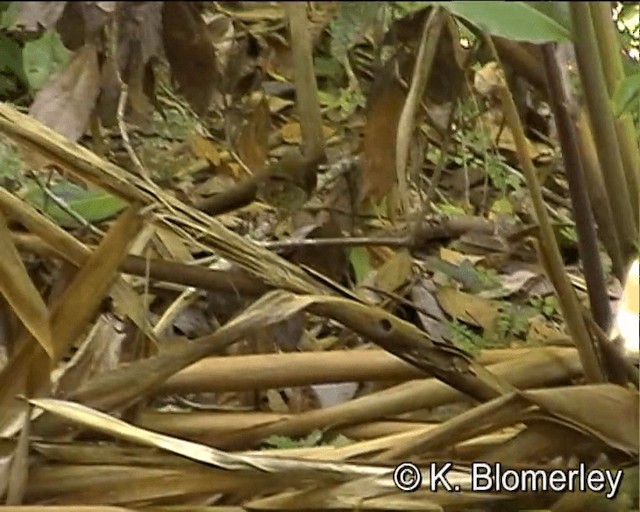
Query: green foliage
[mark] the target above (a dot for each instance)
(405, 8)
(11, 71)
(284, 442)
(30, 64)
(569, 233)
(448, 210)
(92, 204)
(627, 18)
(556, 11)
(548, 305)
(475, 151)
(350, 23)
(360, 262)
(10, 165)
(502, 205)
(488, 278)
(345, 101)
(43, 57)
(8, 13)
(518, 21)
(512, 322)
(627, 96)
(465, 338)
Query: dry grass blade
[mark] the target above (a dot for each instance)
(604, 402)
(562, 404)
(377, 493)
(90, 286)
(102, 422)
(399, 337)
(18, 478)
(134, 381)
(21, 293)
(70, 315)
(123, 484)
(72, 250)
(368, 485)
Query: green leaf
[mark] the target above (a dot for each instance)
(361, 262)
(350, 22)
(627, 95)
(10, 57)
(10, 164)
(43, 57)
(557, 11)
(93, 204)
(8, 13)
(502, 205)
(518, 21)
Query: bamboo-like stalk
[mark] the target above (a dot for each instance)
(562, 104)
(305, 80)
(610, 50)
(601, 116)
(598, 195)
(552, 258)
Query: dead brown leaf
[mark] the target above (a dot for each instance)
(590, 409)
(253, 138)
(28, 370)
(190, 53)
(20, 292)
(206, 149)
(65, 103)
(469, 308)
(385, 103)
(140, 40)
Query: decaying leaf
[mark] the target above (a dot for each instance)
(384, 107)
(469, 308)
(190, 53)
(312, 362)
(20, 292)
(253, 137)
(66, 102)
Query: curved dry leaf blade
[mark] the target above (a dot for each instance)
(133, 484)
(91, 284)
(138, 378)
(18, 479)
(21, 293)
(65, 103)
(591, 409)
(107, 424)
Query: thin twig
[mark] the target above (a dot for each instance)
(122, 128)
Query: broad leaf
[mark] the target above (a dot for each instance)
(627, 95)
(93, 204)
(518, 21)
(43, 57)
